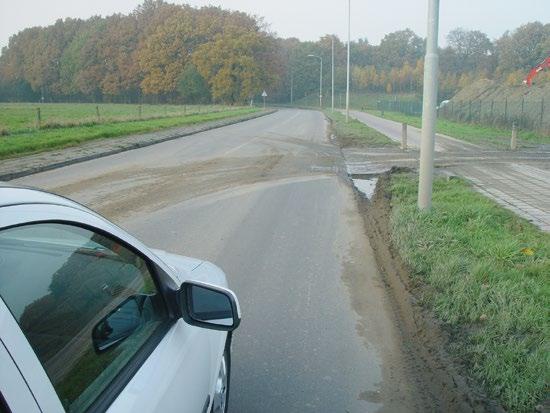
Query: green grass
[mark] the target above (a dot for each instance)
(355, 133)
(477, 134)
(22, 117)
(473, 261)
(53, 138)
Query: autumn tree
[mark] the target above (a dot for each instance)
(237, 64)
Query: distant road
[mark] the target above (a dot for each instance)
(268, 201)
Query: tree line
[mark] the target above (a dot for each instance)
(163, 52)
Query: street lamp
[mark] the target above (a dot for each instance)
(332, 81)
(347, 68)
(320, 79)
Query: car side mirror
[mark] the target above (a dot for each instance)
(208, 306)
(119, 324)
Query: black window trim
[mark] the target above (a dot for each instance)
(125, 375)
(4, 405)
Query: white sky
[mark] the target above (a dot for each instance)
(306, 19)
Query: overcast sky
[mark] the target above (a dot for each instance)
(306, 19)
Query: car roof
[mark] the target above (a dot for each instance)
(11, 194)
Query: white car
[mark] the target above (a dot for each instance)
(93, 320)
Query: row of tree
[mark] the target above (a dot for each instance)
(177, 53)
(164, 51)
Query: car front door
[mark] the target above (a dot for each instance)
(15, 395)
(89, 308)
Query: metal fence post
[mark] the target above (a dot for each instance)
(139, 111)
(38, 118)
(480, 104)
(492, 107)
(97, 113)
(514, 140)
(469, 111)
(541, 113)
(522, 105)
(404, 136)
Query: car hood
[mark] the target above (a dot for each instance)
(187, 268)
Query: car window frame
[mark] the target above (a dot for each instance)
(124, 375)
(4, 407)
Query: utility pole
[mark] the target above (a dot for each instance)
(347, 79)
(429, 109)
(332, 86)
(291, 88)
(320, 78)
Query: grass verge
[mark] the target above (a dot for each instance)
(46, 139)
(355, 133)
(470, 132)
(486, 274)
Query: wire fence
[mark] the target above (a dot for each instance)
(528, 114)
(18, 118)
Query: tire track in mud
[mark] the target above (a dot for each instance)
(424, 340)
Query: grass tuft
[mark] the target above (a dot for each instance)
(355, 133)
(485, 272)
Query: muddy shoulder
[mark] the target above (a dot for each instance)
(424, 339)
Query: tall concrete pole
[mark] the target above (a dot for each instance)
(320, 78)
(429, 109)
(321, 84)
(332, 86)
(291, 88)
(347, 79)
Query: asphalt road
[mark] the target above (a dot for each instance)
(267, 200)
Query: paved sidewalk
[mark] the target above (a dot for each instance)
(519, 181)
(26, 165)
(393, 131)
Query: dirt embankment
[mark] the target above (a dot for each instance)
(424, 340)
(489, 89)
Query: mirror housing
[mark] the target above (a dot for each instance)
(208, 306)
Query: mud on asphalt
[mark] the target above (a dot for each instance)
(425, 340)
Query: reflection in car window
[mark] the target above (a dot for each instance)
(85, 303)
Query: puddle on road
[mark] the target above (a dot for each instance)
(366, 186)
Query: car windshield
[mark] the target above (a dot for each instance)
(372, 179)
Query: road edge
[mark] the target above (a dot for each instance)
(423, 337)
(55, 165)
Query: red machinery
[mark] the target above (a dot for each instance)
(535, 71)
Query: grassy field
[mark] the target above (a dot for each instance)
(486, 274)
(469, 132)
(70, 128)
(22, 117)
(355, 133)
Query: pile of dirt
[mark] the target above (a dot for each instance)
(424, 339)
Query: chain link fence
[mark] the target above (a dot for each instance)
(527, 114)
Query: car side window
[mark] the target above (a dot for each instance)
(86, 304)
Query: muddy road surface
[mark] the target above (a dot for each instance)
(269, 202)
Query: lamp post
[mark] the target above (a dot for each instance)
(332, 81)
(429, 114)
(347, 78)
(320, 79)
